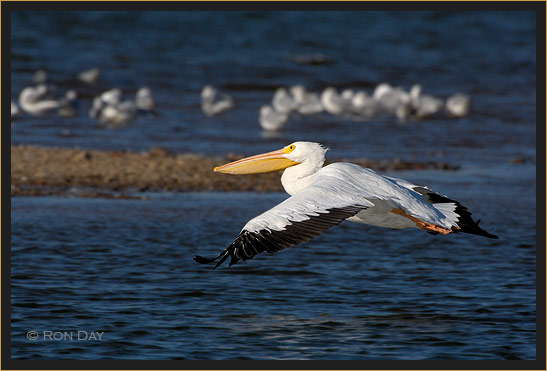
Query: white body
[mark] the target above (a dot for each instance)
(343, 184)
(338, 185)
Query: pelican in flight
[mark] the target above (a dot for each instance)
(322, 197)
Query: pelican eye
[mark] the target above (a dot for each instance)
(289, 149)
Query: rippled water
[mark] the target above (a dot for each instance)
(124, 267)
(357, 292)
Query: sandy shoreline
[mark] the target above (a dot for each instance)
(41, 171)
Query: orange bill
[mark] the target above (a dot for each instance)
(263, 163)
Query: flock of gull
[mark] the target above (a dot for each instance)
(109, 108)
(358, 105)
(112, 109)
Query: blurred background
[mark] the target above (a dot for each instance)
(489, 56)
(357, 292)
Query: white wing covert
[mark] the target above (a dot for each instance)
(298, 219)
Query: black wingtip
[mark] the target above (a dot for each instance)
(202, 260)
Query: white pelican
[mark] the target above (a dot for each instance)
(322, 197)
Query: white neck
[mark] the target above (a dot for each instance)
(298, 177)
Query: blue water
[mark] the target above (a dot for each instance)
(124, 267)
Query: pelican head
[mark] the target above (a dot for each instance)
(294, 154)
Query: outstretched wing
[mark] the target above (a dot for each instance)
(298, 219)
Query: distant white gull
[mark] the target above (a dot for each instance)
(363, 104)
(90, 76)
(457, 105)
(109, 97)
(271, 120)
(69, 104)
(393, 100)
(39, 77)
(118, 114)
(333, 103)
(424, 105)
(31, 100)
(283, 102)
(307, 103)
(213, 102)
(14, 109)
(111, 111)
(145, 100)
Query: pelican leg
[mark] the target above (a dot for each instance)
(423, 225)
